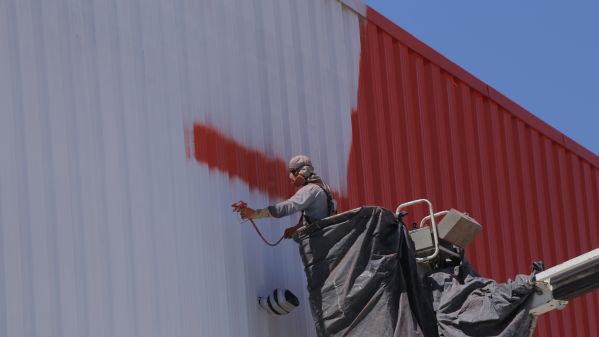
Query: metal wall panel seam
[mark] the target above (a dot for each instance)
(225, 117)
(86, 184)
(145, 244)
(426, 125)
(170, 270)
(278, 96)
(497, 133)
(328, 77)
(400, 53)
(420, 155)
(463, 102)
(302, 73)
(8, 202)
(361, 130)
(452, 122)
(474, 167)
(395, 103)
(319, 33)
(389, 78)
(542, 197)
(497, 183)
(125, 311)
(313, 86)
(488, 217)
(130, 43)
(380, 122)
(515, 190)
(531, 201)
(398, 103)
(528, 183)
(101, 102)
(568, 209)
(20, 320)
(576, 246)
(71, 278)
(405, 105)
(443, 102)
(557, 217)
(375, 124)
(583, 235)
(47, 30)
(434, 111)
(519, 265)
(413, 130)
(444, 105)
(390, 104)
(45, 247)
(6, 152)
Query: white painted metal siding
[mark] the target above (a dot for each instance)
(106, 228)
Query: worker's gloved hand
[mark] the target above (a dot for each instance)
(246, 213)
(290, 231)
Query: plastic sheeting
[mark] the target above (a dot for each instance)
(469, 305)
(363, 281)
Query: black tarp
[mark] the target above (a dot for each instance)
(363, 281)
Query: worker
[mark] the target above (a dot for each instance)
(313, 198)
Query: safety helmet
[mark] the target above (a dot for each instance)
(301, 164)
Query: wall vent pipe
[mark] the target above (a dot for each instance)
(280, 302)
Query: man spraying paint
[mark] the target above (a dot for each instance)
(313, 198)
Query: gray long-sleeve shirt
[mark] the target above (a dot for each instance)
(311, 199)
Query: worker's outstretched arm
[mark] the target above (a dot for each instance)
(298, 202)
(249, 213)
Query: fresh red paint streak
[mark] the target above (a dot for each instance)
(226, 155)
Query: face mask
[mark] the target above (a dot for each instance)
(297, 180)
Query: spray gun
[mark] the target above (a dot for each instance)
(238, 207)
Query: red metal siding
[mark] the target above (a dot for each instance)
(424, 127)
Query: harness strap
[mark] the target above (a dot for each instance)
(330, 206)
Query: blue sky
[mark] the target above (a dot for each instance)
(543, 54)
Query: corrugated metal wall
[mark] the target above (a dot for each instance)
(127, 128)
(428, 128)
(106, 227)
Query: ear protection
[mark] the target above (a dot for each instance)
(298, 175)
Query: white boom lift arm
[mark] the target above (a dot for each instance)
(557, 285)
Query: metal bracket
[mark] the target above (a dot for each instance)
(433, 226)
